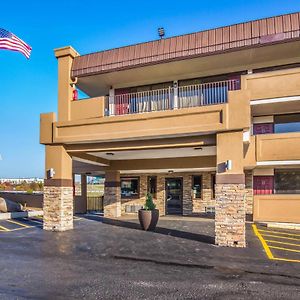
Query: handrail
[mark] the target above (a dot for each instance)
(172, 97)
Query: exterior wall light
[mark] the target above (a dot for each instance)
(228, 165)
(50, 173)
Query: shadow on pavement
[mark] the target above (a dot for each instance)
(160, 230)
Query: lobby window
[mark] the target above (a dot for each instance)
(213, 184)
(287, 123)
(152, 185)
(77, 185)
(130, 187)
(287, 181)
(197, 187)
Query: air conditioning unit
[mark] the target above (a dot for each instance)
(132, 208)
(210, 209)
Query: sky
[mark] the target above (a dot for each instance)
(29, 87)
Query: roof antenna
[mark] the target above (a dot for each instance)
(161, 32)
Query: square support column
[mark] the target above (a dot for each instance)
(230, 215)
(112, 194)
(58, 190)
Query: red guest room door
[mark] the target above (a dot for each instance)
(263, 185)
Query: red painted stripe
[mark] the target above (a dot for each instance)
(13, 44)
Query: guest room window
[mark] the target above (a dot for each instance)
(287, 181)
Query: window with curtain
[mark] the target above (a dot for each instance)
(287, 123)
(287, 181)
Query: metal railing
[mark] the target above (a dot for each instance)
(172, 98)
(205, 93)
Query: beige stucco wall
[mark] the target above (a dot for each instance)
(277, 208)
(87, 108)
(279, 146)
(281, 83)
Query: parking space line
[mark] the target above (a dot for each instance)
(263, 242)
(287, 260)
(285, 249)
(21, 228)
(283, 243)
(281, 237)
(36, 221)
(4, 228)
(280, 232)
(17, 223)
(267, 247)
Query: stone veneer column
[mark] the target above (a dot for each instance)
(161, 194)
(112, 194)
(230, 213)
(58, 190)
(230, 210)
(187, 203)
(58, 205)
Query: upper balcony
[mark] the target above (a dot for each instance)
(176, 110)
(171, 98)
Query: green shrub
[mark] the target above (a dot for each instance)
(149, 204)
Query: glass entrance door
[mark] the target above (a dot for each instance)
(173, 196)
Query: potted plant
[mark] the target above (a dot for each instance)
(148, 216)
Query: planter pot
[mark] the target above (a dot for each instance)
(148, 219)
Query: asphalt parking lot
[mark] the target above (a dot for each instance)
(279, 244)
(23, 223)
(113, 259)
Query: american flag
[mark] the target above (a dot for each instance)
(10, 41)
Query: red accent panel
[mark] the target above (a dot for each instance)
(264, 128)
(263, 185)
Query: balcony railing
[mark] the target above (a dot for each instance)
(172, 98)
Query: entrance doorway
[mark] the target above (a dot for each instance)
(174, 196)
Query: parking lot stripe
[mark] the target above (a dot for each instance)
(280, 232)
(18, 223)
(285, 249)
(288, 260)
(4, 228)
(263, 242)
(283, 243)
(281, 237)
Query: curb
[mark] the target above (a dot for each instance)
(21, 214)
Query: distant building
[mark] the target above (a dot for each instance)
(20, 180)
